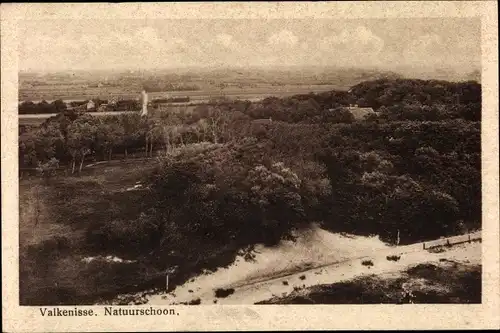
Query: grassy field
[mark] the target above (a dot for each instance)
(55, 222)
(64, 222)
(446, 282)
(50, 93)
(251, 94)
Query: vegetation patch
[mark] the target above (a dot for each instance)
(195, 302)
(436, 249)
(223, 293)
(367, 263)
(428, 284)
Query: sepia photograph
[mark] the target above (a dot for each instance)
(168, 161)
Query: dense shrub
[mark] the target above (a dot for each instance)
(222, 293)
(367, 263)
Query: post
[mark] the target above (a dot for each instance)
(469, 238)
(424, 245)
(166, 282)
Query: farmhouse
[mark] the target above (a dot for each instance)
(90, 105)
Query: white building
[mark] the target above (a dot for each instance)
(144, 100)
(90, 105)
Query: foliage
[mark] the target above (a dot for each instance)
(223, 293)
(234, 174)
(29, 107)
(48, 169)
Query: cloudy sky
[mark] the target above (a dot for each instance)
(120, 44)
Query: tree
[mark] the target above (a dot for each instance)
(216, 124)
(59, 105)
(131, 124)
(28, 107)
(155, 134)
(27, 149)
(81, 139)
(150, 130)
(108, 136)
(48, 169)
(48, 139)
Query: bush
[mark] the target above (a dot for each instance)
(195, 302)
(223, 293)
(393, 258)
(367, 263)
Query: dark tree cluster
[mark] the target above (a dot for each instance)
(42, 107)
(392, 99)
(171, 100)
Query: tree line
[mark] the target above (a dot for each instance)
(382, 171)
(58, 106)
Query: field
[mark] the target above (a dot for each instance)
(53, 236)
(72, 93)
(197, 97)
(241, 84)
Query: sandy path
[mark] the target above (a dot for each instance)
(318, 257)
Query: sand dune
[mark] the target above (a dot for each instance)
(312, 248)
(315, 257)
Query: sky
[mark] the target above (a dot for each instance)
(46, 45)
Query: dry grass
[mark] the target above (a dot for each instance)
(445, 282)
(54, 222)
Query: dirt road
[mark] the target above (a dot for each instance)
(267, 280)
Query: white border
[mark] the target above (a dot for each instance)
(269, 317)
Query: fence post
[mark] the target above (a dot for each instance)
(469, 238)
(424, 245)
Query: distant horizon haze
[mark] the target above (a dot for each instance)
(420, 44)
